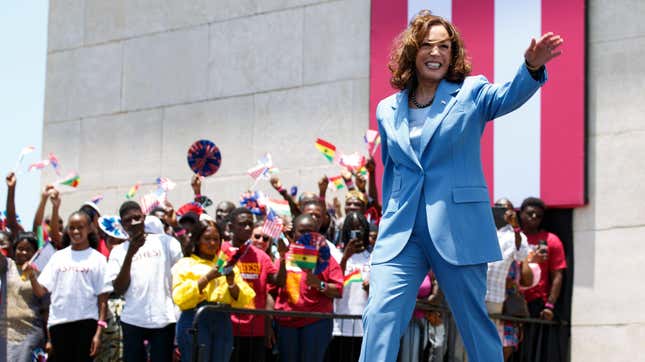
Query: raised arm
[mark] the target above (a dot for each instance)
(12, 219)
(371, 185)
(277, 185)
(54, 222)
(496, 100)
(40, 211)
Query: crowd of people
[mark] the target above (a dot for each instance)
(128, 286)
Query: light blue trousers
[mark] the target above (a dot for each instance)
(393, 289)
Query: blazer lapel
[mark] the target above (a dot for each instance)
(444, 99)
(402, 127)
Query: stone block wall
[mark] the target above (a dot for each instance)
(131, 84)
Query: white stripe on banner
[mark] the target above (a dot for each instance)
(442, 8)
(517, 135)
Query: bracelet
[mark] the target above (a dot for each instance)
(197, 196)
(549, 305)
(102, 324)
(280, 189)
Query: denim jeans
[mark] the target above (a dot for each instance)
(214, 336)
(305, 344)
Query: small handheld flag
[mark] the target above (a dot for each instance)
(25, 151)
(38, 165)
(233, 259)
(337, 181)
(280, 207)
(96, 199)
(53, 161)
(377, 142)
(165, 184)
(327, 149)
(272, 225)
(372, 139)
(133, 190)
(303, 256)
(72, 180)
(352, 162)
(353, 277)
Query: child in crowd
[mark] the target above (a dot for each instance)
(74, 277)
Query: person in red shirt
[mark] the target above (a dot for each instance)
(549, 255)
(257, 269)
(305, 339)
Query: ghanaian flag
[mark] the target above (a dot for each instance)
(353, 277)
(337, 181)
(303, 256)
(327, 149)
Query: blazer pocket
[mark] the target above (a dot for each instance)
(469, 194)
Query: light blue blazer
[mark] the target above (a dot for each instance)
(449, 171)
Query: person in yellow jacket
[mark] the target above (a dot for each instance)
(196, 281)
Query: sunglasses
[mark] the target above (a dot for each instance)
(258, 236)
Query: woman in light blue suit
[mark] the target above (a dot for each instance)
(436, 208)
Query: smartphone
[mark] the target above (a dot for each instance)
(355, 234)
(544, 249)
(498, 216)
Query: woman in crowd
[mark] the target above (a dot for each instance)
(74, 277)
(305, 339)
(197, 281)
(263, 241)
(346, 344)
(27, 314)
(436, 206)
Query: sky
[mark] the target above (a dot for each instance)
(23, 35)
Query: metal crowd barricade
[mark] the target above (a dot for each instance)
(454, 351)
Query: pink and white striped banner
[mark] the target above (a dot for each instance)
(538, 150)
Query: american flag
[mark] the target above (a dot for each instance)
(272, 225)
(53, 161)
(165, 183)
(258, 171)
(148, 202)
(549, 129)
(264, 165)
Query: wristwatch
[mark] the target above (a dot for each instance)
(323, 286)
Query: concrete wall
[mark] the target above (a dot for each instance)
(131, 84)
(608, 315)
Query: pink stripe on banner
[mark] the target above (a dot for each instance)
(389, 18)
(475, 22)
(563, 107)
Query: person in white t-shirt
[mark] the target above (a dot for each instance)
(74, 276)
(355, 264)
(139, 269)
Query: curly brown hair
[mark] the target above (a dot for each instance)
(406, 45)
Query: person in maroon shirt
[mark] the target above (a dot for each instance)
(257, 270)
(549, 255)
(305, 339)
